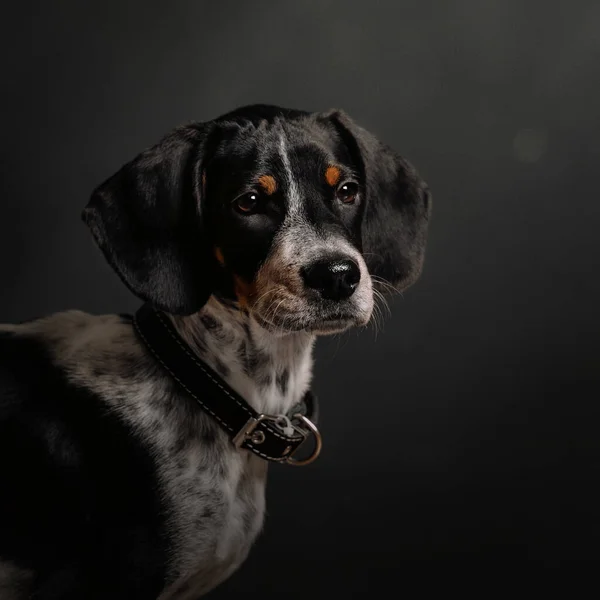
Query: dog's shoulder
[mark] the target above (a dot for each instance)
(97, 353)
(47, 360)
(71, 471)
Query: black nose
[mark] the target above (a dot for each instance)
(334, 279)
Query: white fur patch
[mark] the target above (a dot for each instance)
(294, 199)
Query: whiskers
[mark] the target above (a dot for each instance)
(381, 307)
(271, 315)
(384, 283)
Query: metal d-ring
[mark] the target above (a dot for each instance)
(318, 443)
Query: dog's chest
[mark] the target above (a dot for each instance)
(215, 499)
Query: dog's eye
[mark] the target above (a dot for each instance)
(347, 192)
(247, 203)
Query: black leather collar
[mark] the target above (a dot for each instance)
(265, 435)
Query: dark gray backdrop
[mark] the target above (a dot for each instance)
(468, 427)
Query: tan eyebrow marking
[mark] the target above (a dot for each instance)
(268, 184)
(219, 255)
(333, 175)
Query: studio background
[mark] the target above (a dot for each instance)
(467, 427)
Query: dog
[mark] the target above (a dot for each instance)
(247, 236)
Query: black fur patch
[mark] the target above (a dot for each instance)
(264, 379)
(208, 321)
(282, 380)
(255, 361)
(208, 434)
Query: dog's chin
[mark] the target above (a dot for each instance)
(313, 324)
(333, 326)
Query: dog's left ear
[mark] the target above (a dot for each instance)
(398, 205)
(147, 220)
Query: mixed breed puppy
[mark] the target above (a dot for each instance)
(251, 234)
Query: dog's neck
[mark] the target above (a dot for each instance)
(272, 372)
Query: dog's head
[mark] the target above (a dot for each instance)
(296, 216)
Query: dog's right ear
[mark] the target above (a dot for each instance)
(147, 220)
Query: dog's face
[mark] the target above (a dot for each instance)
(285, 206)
(297, 217)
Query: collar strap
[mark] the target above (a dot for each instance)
(274, 438)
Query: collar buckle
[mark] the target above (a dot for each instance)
(247, 432)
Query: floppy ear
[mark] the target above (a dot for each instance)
(147, 221)
(398, 205)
